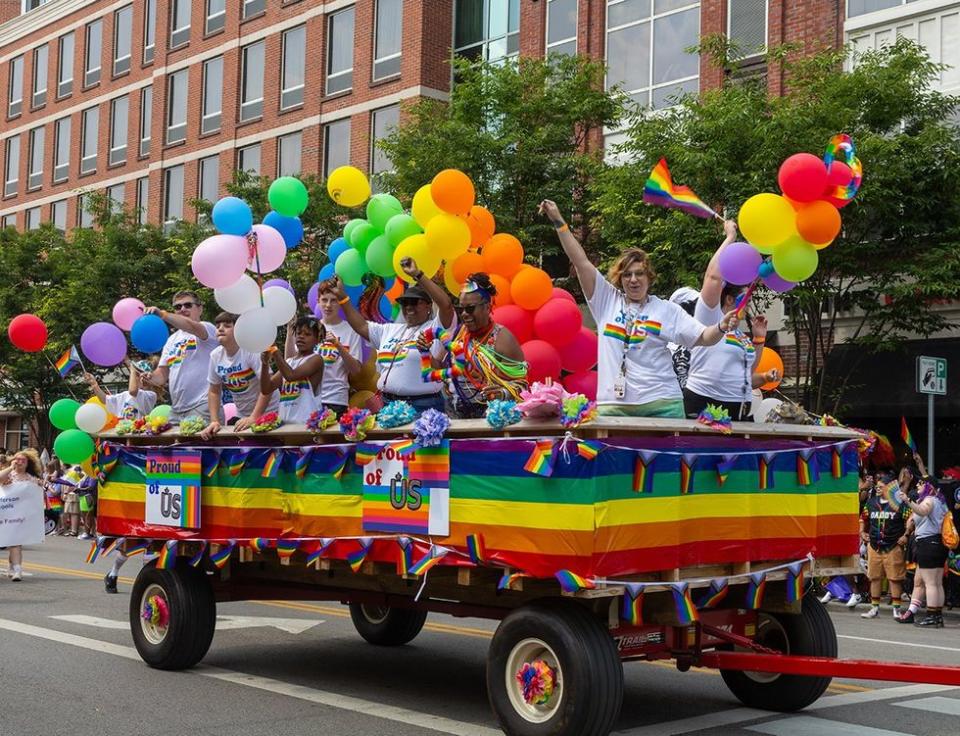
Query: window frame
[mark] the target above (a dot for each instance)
(220, 18)
(58, 135)
(38, 97)
(244, 15)
(242, 151)
(331, 20)
(373, 137)
(346, 121)
(35, 176)
(84, 216)
(298, 90)
(122, 64)
(179, 37)
(280, 144)
(143, 199)
(115, 204)
(145, 132)
(28, 215)
(547, 45)
(168, 126)
(379, 60)
(206, 115)
(484, 44)
(8, 143)
(149, 31)
(84, 124)
(766, 28)
(65, 86)
(255, 105)
(15, 71)
(53, 214)
(91, 75)
(117, 154)
(165, 201)
(201, 166)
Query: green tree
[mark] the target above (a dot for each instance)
(898, 250)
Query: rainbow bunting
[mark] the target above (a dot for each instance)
(632, 611)
(795, 582)
(476, 549)
(237, 461)
(804, 476)
(405, 558)
(209, 462)
(286, 548)
(94, 552)
(570, 582)
(68, 361)
(836, 463)
(404, 446)
(687, 462)
(258, 544)
(366, 453)
(661, 191)
(198, 557)
(755, 591)
(138, 547)
(724, 467)
(337, 471)
(715, 593)
(272, 464)
(222, 555)
(167, 559)
(686, 612)
(429, 560)
(541, 459)
(303, 462)
(313, 556)
(357, 557)
(508, 579)
(588, 449)
(765, 481)
(111, 546)
(906, 436)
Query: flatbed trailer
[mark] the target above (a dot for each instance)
(620, 540)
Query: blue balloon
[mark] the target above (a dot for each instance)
(289, 227)
(232, 216)
(354, 292)
(386, 308)
(327, 272)
(337, 247)
(765, 269)
(389, 282)
(149, 334)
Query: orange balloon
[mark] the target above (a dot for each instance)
(531, 288)
(395, 291)
(482, 225)
(502, 254)
(818, 222)
(452, 191)
(503, 297)
(769, 360)
(465, 265)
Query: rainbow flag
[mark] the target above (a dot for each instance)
(303, 462)
(316, 551)
(167, 559)
(541, 459)
(643, 472)
(258, 544)
(198, 557)
(210, 461)
(804, 476)
(476, 549)
(686, 472)
(366, 453)
(836, 463)
(111, 546)
(906, 436)
(683, 605)
(508, 579)
(191, 507)
(237, 461)
(55, 503)
(404, 446)
(272, 464)
(286, 548)
(94, 552)
(632, 611)
(715, 593)
(661, 191)
(765, 481)
(107, 461)
(357, 557)
(755, 591)
(431, 559)
(795, 582)
(337, 471)
(405, 558)
(68, 361)
(588, 449)
(724, 467)
(136, 548)
(570, 582)
(222, 555)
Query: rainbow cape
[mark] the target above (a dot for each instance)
(661, 191)
(906, 436)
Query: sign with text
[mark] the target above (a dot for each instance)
(173, 489)
(931, 375)
(408, 494)
(21, 514)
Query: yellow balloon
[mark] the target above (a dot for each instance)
(766, 220)
(366, 375)
(424, 209)
(360, 399)
(416, 247)
(96, 400)
(448, 235)
(348, 186)
(449, 280)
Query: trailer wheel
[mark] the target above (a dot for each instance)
(386, 626)
(810, 633)
(173, 615)
(573, 673)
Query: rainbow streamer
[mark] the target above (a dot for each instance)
(906, 436)
(570, 582)
(209, 462)
(198, 557)
(755, 591)
(724, 467)
(366, 453)
(303, 462)
(404, 446)
(836, 463)
(272, 465)
(661, 191)
(222, 555)
(94, 552)
(68, 361)
(686, 473)
(405, 558)
(588, 449)
(258, 544)
(632, 611)
(356, 558)
(237, 461)
(508, 579)
(476, 549)
(286, 548)
(804, 476)
(795, 582)
(167, 559)
(111, 546)
(715, 593)
(686, 612)
(431, 559)
(541, 459)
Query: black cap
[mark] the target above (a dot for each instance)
(414, 292)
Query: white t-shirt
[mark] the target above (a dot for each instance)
(641, 333)
(188, 359)
(240, 375)
(722, 371)
(398, 359)
(297, 398)
(335, 386)
(127, 406)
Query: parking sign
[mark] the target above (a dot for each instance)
(931, 375)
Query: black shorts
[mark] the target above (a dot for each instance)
(931, 553)
(694, 403)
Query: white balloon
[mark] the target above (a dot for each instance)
(280, 303)
(240, 296)
(767, 406)
(90, 418)
(255, 330)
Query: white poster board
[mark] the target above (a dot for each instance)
(21, 514)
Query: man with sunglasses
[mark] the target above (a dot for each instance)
(186, 356)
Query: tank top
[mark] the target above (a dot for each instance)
(297, 398)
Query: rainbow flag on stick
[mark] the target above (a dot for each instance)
(68, 361)
(541, 459)
(632, 611)
(906, 436)
(661, 191)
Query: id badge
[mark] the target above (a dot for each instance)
(620, 386)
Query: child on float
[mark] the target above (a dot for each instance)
(341, 349)
(137, 401)
(298, 377)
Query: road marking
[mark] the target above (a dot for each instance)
(947, 706)
(808, 726)
(899, 643)
(320, 697)
(4, 571)
(224, 623)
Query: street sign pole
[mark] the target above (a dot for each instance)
(930, 465)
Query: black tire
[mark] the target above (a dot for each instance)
(589, 670)
(385, 626)
(810, 633)
(192, 613)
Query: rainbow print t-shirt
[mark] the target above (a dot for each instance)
(721, 371)
(240, 375)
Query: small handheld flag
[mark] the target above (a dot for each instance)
(906, 436)
(68, 361)
(661, 191)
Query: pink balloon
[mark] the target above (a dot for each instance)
(220, 260)
(543, 360)
(229, 411)
(559, 293)
(581, 354)
(582, 383)
(271, 250)
(126, 312)
(558, 322)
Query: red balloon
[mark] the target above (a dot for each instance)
(28, 332)
(558, 322)
(582, 383)
(543, 360)
(581, 353)
(839, 175)
(559, 293)
(838, 203)
(516, 319)
(802, 177)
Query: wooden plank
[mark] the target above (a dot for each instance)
(464, 576)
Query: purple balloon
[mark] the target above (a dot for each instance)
(312, 296)
(104, 344)
(283, 283)
(738, 263)
(776, 282)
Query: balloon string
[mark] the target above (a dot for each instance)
(255, 246)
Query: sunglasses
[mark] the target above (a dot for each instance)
(185, 305)
(469, 308)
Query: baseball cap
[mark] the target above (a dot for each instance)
(684, 294)
(412, 293)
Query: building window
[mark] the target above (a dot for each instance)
(212, 95)
(65, 65)
(487, 29)
(143, 199)
(15, 85)
(294, 67)
(116, 196)
(146, 119)
(179, 22)
(385, 121)
(84, 215)
(149, 30)
(216, 16)
(288, 154)
(92, 53)
(35, 174)
(862, 7)
(172, 194)
(336, 146)
(248, 159)
(29, 5)
(562, 27)
(253, 7)
(11, 177)
(90, 130)
(40, 58)
(10, 221)
(747, 26)
(251, 82)
(340, 51)
(646, 49)
(122, 39)
(177, 106)
(119, 114)
(58, 215)
(208, 185)
(61, 150)
(388, 38)
(33, 218)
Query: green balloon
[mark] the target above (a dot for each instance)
(381, 208)
(795, 260)
(400, 227)
(350, 267)
(350, 228)
(379, 256)
(288, 196)
(62, 412)
(363, 235)
(163, 410)
(73, 446)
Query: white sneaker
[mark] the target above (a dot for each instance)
(826, 598)
(854, 600)
(16, 574)
(84, 535)
(896, 613)
(872, 613)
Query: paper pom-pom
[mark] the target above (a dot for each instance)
(320, 420)
(502, 414)
(430, 428)
(267, 422)
(396, 413)
(156, 424)
(356, 422)
(125, 426)
(537, 681)
(716, 417)
(191, 426)
(543, 400)
(577, 410)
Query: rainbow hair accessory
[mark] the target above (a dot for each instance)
(661, 191)
(541, 459)
(356, 558)
(755, 591)
(717, 591)
(686, 612)
(570, 582)
(632, 610)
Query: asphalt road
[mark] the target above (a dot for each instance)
(68, 666)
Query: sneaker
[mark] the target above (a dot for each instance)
(110, 583)
(873, 612)
(931, 620)
(906, 618)
(84, 535)
(896, 614)
(827, 597)
(16, 574)
(854, 600)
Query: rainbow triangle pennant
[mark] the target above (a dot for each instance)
(724, 466)
(198, 557)
(661, 191)
(683, 604)
(95, 546)
(570, 582)
(836, 463)
(643, 471)
(476, 549)
(236, 462)
(258, 544)
(429, 560)
(112, 546)
(755, 590)
(221, 555)
(508, 579)
(209, 462)
(404, 446)
(366, 452)
(405, 557)
(588, 449)
(286, 548)
(632, 611)
(715, 593)
(804, 473)
(795, 582)
(356, 558)
(541, 459)
(167, 558)
(765, 471)
(317, 550)
(137, 547)
(337, 470)
(687, 461)
(303, 462)
(906, 436)
(271, 465)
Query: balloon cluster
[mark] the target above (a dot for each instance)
(793, 228)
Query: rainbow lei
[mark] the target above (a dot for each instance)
(396, 413)
(267, 422)
(716, 417)
(320, 420)
(191, 426)
(577, 410)
(537, 681)
(356, 422)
